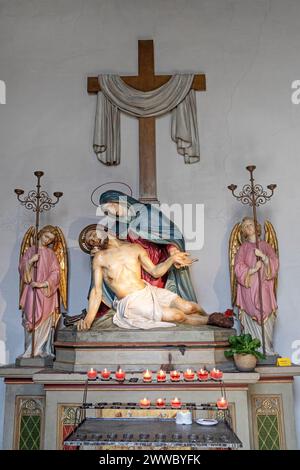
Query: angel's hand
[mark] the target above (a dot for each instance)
(258, 265)
(34, 258)
(256, 268)
(259, 253)
(38, 285)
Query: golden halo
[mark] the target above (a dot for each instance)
(82, 236)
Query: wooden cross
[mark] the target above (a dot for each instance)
(146, 80)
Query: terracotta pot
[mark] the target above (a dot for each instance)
(245, 362)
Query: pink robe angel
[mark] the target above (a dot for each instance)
(47, 299)
(247, 286)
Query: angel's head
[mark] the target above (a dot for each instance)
(47, 235)
(248, 229)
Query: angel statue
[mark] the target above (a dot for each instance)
(245, 262)
(42, 293)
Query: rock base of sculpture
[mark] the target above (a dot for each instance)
(106, 345)
(34, 361)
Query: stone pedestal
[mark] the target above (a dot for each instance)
(35, 362)
(175, 347)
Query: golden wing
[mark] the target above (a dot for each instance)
(60, 249)
(235, 242)
(27, 242)
(271, 238)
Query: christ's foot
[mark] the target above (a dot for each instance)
(219, 319)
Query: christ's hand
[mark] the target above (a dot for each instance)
(84, 325)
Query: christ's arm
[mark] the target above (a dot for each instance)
(181, 259)
(95, 295)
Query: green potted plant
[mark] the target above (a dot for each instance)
(245, 351)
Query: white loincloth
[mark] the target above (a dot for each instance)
(143, 309)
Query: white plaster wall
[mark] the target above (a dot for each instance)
(249, 50)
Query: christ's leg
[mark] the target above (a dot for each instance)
(172, 314)
(187, 306)
(195, 315)
(179, 310)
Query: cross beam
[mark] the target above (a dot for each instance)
(146, 80)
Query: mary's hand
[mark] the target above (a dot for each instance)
(182, 259)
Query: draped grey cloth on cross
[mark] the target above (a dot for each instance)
(176, 95)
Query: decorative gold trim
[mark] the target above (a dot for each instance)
(263, 405)
(136, 413)
(61, 409)
(28, 402)
(232, 411)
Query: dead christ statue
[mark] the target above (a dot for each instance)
(138, 304)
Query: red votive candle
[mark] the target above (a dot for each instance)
(161, 376)
(120, 375)
(176, 403)
(92, 374)
(203, 374)
(145, 403)
(222, 404)
(175, 376)
(105, 374)
(189, 375)
(216, 374)
(160, 403)
(147, 377)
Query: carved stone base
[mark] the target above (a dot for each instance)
(176, 347)
(34, 361)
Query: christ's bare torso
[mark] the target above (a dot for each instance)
(119, 264)
(121, 269)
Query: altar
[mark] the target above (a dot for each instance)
(41, 404)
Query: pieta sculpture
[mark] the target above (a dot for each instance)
(130, 265)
